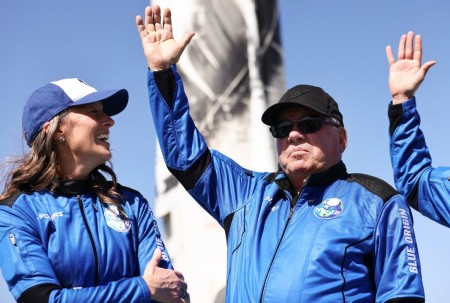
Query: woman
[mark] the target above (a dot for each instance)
(68, 233)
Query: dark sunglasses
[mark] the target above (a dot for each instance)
(307, 125)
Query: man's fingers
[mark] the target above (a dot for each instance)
(157, 254)
(390, 55)
(157, 17)
(182, 292)
(426, 66)
(401, 48)
(409, 45)
(418, 48)
(186, 298)
(184, 295)
(140, 27)
(149, 20)
(167, 16)
(186, 39)
(179, 275)
(182, 285)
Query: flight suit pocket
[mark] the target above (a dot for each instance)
(15, 260)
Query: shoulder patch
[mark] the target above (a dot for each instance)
(375, 185)
(10, 200)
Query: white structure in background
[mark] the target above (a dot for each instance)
(232, 71)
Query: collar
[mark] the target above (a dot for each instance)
(336, 172)
(71, 187)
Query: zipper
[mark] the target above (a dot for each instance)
(276, 251)
(91, 238)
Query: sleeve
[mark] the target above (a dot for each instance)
(23, 260)
(149, 237)
(397, 269)
(216, 182)
(426, 188)
(124, 290)
(30, 276)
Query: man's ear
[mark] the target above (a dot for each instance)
(342, 139)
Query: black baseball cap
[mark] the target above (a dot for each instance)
(309, 96)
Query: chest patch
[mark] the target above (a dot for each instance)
(329, 208)
(117, 218)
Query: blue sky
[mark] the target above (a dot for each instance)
(338, 45)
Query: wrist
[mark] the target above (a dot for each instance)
(155, 68)
(397, 99)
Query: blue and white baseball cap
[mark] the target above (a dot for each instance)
(55, 97)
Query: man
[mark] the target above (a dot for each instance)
(309, 232)
(426, 188)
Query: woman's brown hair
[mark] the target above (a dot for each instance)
(38, 169)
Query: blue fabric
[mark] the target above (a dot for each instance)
(362, 251)
(413, 170)
(43, 239)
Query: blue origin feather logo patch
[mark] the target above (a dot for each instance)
(117, 218)
(329, 209)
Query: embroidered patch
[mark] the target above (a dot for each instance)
(329, 209)
(117, 218)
